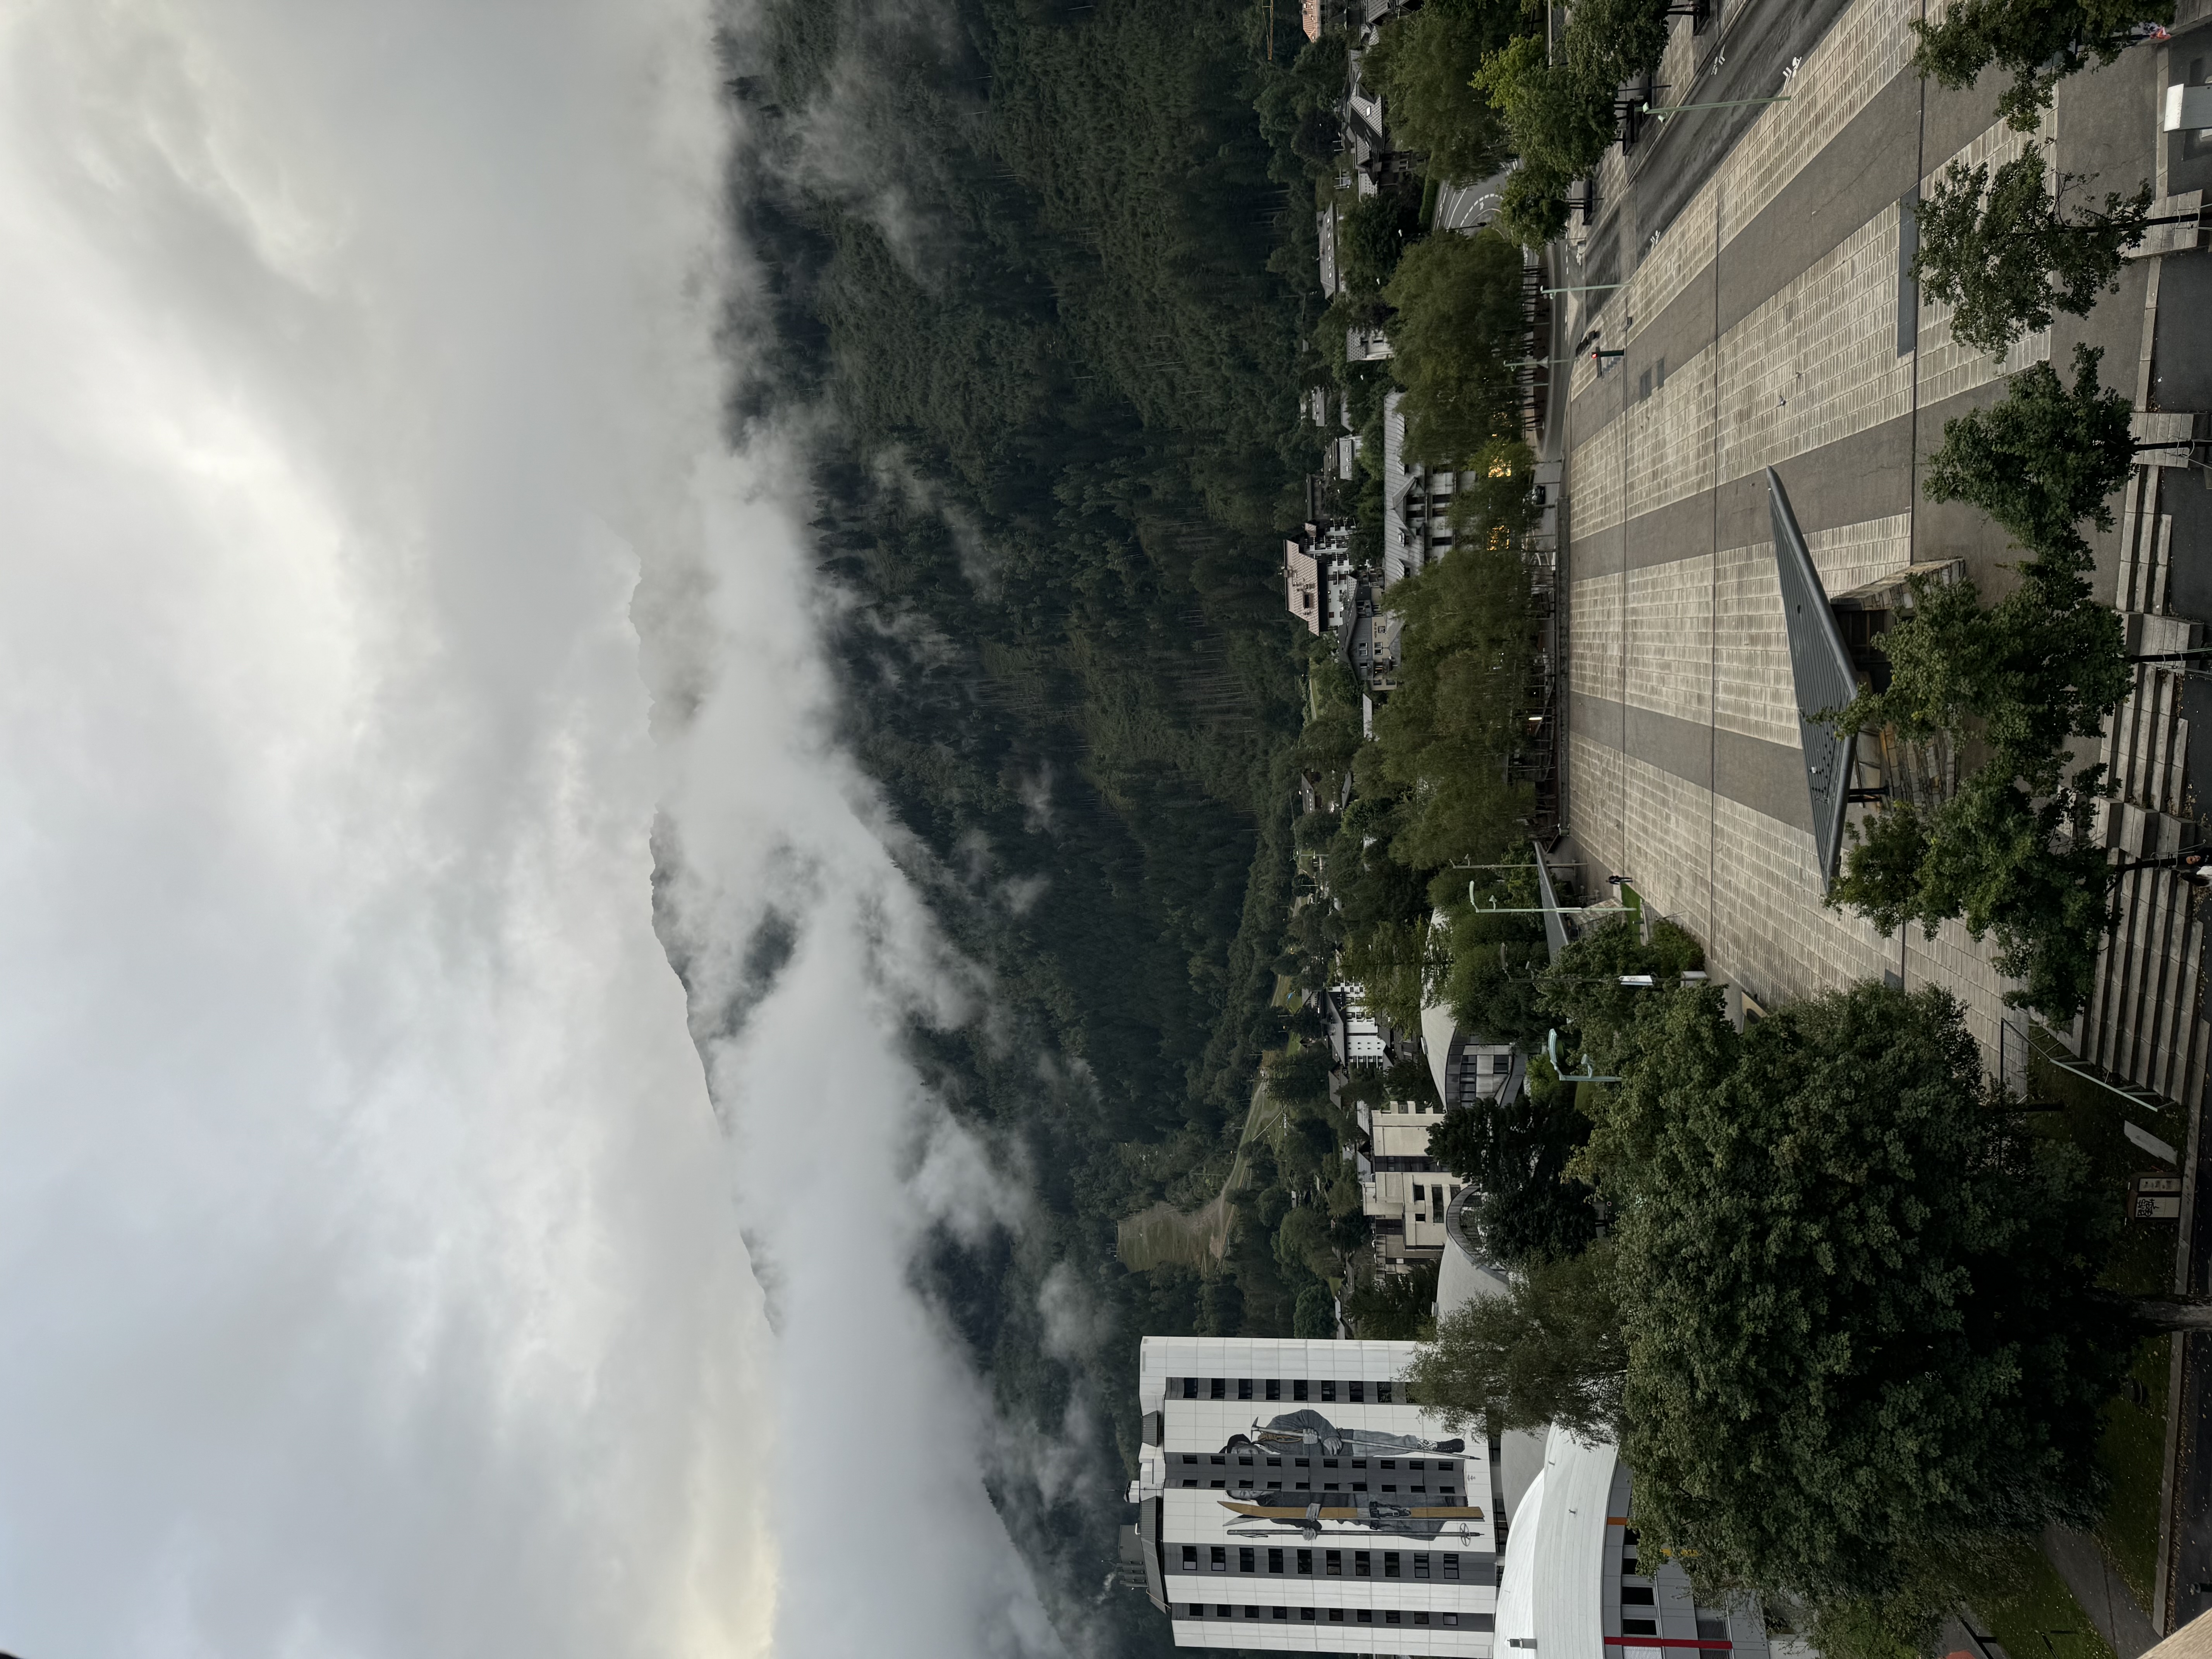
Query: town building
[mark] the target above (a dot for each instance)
(1318, 580)
(1404, 1193)
(1356, 1038)
(1290, 1499)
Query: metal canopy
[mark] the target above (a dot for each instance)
(1820, 665)
(1555, 929)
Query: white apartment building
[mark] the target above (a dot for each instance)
(1402, 1192)
(1290, 1499)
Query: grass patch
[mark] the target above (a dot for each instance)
(2132, 1449)
(2133, 1452)
(2019, 1597)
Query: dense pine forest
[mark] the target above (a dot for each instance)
(1042, 276)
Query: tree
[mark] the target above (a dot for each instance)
(1500, 498)
(1458, 319)
(1459, 713)
(1860, 1297)
(1376, 232)
(1423, 65)
(2040, 41)
(1515, 1153)
(1315, 1313)
(1394, 1307)
(2004, 256)
(1582, 991)
(2025, 867)
(1550, 1351)
(2043, 459)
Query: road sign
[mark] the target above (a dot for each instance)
(2157, 1198)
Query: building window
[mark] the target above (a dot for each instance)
(1387, 1463)
(1297, 1388)
(1358, 1462)
(1305, 1563)
(1304, 1462)
(1190, 1388)
(1336, 1615)
(1251, 1612)
(1274, 1560)
(1420, 1566)
(1359, 1486)
(1391, 1565)
(1711, 1626)
(1447, 1469)
(1359, 1393)
(1275, 1462)
(1245, 1461)
(1197, 1609)
(1220, 1612)
(1306, 1614)
(1219, 1389)
(1280, 1613)
(1361, 1567)
(1382, 1393)
(1221, 1558)
(1190, 1458)
(1452, 1620)
(1387, 1486)
(1190, 1558)
(1451, 1566)
(1639, 1627)
(1635, 1595)
(1190, 1483)
(1447, 1488)
(1244, 1560)
(1305, 1485)
(1333, 1560)
(1218, 1459)
(1330, 1463)
(1330, 1486)
(1214, 1485)
(1366, 1615)
(1274, 1388)
(1420, 1618)
(1243, 1388)
(1329, 1388)
(1390, 1617)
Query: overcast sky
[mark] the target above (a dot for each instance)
(373, 1264)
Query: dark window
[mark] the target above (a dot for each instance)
(1360, 1566)
(1391, 1565)
(1387, 1486)
(1251, 1612)
(1190, 1388)
(1415, 1463)
(1382, 1393)
(1246, 1461)
(1305, 1485)
(1305, 1562)
(1297, 1388)
(1416, 1486)
(1329, 1388)
(1447, 1488)
(1358, 1462)
(1359, 1486)
(1635, 1595)
(1420, 1618)
(1446, 1466)
(1330, 1463)
(1628, 1537)
(1217, 1460)
(1451, 1566)
(1359, 1393)
(1214, 1485)
(1220, 1612)
(1306, 1614)
(1304, 1462)
(1451, 1619)
(1220, 1559)
(1391, 1617)
(1366, 1615)
(1189, 1457)
(1275, 1462)
(1334, 1559)
(1244, 1560)
(1219, 1388)
(1243, 1388)
(1712, 1627)
(1330, 1486)
(1198, 1609)
(1336, 1615)
(1190, 1483)
(1390, 1462)
(1639, 1627)
(1190, 1558)
(1274, 1560)
(1274, 1388)
(1280, 1613)
(1420, 1566)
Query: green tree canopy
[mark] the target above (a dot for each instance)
(1459, 711)
(1459, 320)
(2003, 254)
(1377, 231)
(1551, 1351)
(1423, 65)
(1516, 1154)
(1859, 1298)
(2044, 459)
(1394, 1307)
(2040, 41)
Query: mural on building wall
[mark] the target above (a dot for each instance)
(1310, 1428)
(1311, 1515)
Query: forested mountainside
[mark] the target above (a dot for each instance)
(1041, 280)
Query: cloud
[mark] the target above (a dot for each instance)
(376, 600)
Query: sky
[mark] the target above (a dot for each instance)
(382, 1258)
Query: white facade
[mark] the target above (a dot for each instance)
(1423, 1583)
(1575, 1586)
(1399, 1185)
